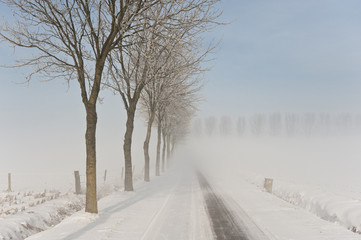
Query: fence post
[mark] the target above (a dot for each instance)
(77, 182)
(9, 182)
(268, 182)
(105, 175)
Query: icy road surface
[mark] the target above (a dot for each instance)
(183, 206)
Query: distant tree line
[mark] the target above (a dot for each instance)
(277, 124)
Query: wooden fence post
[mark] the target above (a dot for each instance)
(77, 182)
(105, 175)
(268, 182)
(9, 182)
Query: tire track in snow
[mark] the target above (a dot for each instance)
(225, 224)
(157, 214)
(181, 215)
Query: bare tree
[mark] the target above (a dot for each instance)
(292, 122)
(72, 39)
(198, 127)
(153, 97)
(343, 122)
(241, 126)
(178, 118)
(357, 123)
(325, 121)
(132, 65)
(210, 125)
(309, 122)
(257, 124)
(128, 74)
(275, 124)
(176, 65)
(225, 126)
(182, 94)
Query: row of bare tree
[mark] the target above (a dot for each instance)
(146, 51)
(274, 124)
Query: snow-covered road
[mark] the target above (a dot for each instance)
(182, 215)
(169, 207)
(226, 224)
(181, 206)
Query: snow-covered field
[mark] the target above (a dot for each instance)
(333, 207)
(279, 219)
(28, 210)
(24, 214)
(14, 202)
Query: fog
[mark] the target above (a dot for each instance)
(329, 160)
(43, 136)
(276, 57)
(296, 59)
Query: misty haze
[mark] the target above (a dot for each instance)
(180, 120)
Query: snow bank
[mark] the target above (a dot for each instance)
(327, 205)
(38, 218)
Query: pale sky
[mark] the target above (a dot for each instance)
(276, 55)
(287, 55)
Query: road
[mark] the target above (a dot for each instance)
(194, 210)
(180, 205)
(182, 214)
(226, 223)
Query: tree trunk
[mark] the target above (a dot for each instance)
(91, 202)
(163, 152)
(91, 205)
(159, 141)
(168, 150)
(173, 147)
(127, 147)
(146, 148)
(77, 182)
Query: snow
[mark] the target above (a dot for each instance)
(276, 217)
(333, 207)
(28, 209)
(172, 206)
(327, 209)
(37, 212)
(169, 207)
